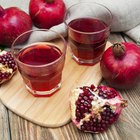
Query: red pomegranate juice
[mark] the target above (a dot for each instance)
(87, 39)
(39, 77)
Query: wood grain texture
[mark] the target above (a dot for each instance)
(126, 128)
(4, 123)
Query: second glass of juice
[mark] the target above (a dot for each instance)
(40, 60)
(88, 26)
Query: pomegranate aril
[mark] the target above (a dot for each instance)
(106, 94)
(78, 103)
(92, 87)
(85, 98)
(86, 92)
(91, 97)
(82, 101)
(81, 107)
(10, 62)
(78, 114)
(82, 128)
(4, 56)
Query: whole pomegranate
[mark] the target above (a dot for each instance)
(13, 22)
(7, 66)
(94, 109)
(47, 13)
(120, 65)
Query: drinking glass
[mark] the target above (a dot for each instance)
(88, 27)
(40, 60)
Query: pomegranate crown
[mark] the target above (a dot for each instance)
(118, 49)
(49, 1)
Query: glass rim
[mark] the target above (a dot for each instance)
(42, 65)
(94, 3)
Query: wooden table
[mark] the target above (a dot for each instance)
(13, 127)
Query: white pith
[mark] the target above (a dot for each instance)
(5, 68)
(2, 52)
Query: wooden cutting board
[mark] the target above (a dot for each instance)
(53, 111)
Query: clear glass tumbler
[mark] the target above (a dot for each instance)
(88, 26)
(40, 60)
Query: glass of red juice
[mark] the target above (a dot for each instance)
(88, 27)
(40, 60)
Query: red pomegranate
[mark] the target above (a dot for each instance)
(120, 65)
(47, 13)
(7, 66)
(94, 109)
(13, 22)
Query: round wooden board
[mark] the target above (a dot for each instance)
(51, 111)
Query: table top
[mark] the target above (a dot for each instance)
(13, 127)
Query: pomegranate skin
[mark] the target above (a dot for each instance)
(13, 22)
(122, 72)
(46, 14)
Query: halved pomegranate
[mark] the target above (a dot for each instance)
(7, 66)
(94, 109)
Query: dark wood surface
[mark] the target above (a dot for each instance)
(13, 127)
